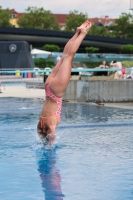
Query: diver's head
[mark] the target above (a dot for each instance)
(47, 128)
(114, 61)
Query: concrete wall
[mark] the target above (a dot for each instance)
(103, 91)
(71, 92)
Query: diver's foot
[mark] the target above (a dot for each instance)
(87, 28)
(84, 25)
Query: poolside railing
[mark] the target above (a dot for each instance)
(40, 71)
(85, 91)
(40, 75)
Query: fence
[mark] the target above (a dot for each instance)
(37, 74)
(83, 90)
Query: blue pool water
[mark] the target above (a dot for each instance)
(92, 158)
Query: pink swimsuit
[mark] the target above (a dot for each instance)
(57, 100)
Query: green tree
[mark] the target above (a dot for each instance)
(99, 31)
(51, 48)
(123, 27)
(74, 19)
(50, 63)
(5, 16)
(128, 48)
(91, 50)
(38, 18)
(42, 63)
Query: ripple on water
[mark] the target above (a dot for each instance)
(91, 159)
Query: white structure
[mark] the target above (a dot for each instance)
(131, 6)
(36, 52)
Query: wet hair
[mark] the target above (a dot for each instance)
(40, 131)
(42, 135)
(114, 61)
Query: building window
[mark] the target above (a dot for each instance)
(13, 15)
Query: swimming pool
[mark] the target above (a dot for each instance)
(92, 158)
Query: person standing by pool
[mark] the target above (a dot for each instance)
(56, 85)
(118, 65)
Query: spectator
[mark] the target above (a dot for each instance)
(117, 65)
(103, 65)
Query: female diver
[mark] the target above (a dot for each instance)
(56, 85)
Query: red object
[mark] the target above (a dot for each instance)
(123, 71)
(29, 75)
(100, 104)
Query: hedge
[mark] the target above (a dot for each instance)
(42, 63)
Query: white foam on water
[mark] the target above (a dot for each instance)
(45, 143)
(25, 108)
(29, 128)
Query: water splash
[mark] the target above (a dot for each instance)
(48, 143)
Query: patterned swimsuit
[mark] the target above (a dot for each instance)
(57, 100)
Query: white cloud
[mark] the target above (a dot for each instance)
(95, 8)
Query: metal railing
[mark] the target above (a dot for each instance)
(42, 71)
(31, 75)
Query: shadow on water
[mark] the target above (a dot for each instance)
(49, 174)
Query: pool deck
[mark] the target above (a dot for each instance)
(23, 92)
(120, 105)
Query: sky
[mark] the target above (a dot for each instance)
(94, 8)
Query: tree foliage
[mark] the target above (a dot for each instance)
(99, 31)
(51, 48)
(38, 18)
(42, 63)
(74, 19)
(123, 27)
(127, 63)
(91, 49)
(5, 16)
(128, 48)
